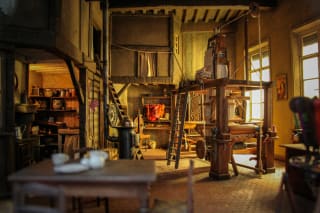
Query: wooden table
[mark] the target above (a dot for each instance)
(120, 178)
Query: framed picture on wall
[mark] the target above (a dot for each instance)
(282, 87)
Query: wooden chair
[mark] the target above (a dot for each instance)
(55, 197)
(285, 188)
(176, 206)
(144, 139)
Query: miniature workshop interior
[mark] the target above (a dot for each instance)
(104, 97)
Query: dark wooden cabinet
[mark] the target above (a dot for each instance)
(27, 151)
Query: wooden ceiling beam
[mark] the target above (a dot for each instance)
(201, 13)
(155, 3)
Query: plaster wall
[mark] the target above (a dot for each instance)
(194, 48)
(77, 21)
(195, 45)
(177, 51)
(276, 27)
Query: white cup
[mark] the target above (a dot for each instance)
(59, 158)
(97, 159)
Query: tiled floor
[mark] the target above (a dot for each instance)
(248, 192)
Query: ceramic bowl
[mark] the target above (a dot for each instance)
(59, 158)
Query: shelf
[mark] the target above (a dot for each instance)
(156, 97)
(157, 128)
(157, 122)
(46, 123)
(47, 135)
(52, 97)
(57, 110)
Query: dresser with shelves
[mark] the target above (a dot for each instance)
(58, 110)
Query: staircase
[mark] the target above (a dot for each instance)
(177, 129)
(120, 110)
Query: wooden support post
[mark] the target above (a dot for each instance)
(222, 143)
(220, 159)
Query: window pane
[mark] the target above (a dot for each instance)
(256, 112)
(265, 75)
(310, 44)
(248, 108)
(255, 76)
(310, 68)
(265, 59)
(255, 62)
(256, 96)
(311, 88)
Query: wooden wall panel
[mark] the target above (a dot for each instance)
(140, 30)
(70, 21)
(123, 63)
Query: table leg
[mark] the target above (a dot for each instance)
(144, 202)
(106, 205)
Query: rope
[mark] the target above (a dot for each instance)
(261, 93)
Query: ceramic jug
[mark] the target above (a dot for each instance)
(97, 159)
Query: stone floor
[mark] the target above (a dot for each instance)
(248, 192)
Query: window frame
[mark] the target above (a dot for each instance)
(306, 57)
(256, 50)
(297, 35)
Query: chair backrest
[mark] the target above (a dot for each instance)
(177, 206)
(190, 188)
(54, 194)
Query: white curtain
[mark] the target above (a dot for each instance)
(147, 64)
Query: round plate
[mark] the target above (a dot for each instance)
(70, 168)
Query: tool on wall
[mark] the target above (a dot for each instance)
(177, 128)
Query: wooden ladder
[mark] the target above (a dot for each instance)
(116, 100)
(177, 129)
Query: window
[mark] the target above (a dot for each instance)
(259, 63)
(310, 65)
(305, 59)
